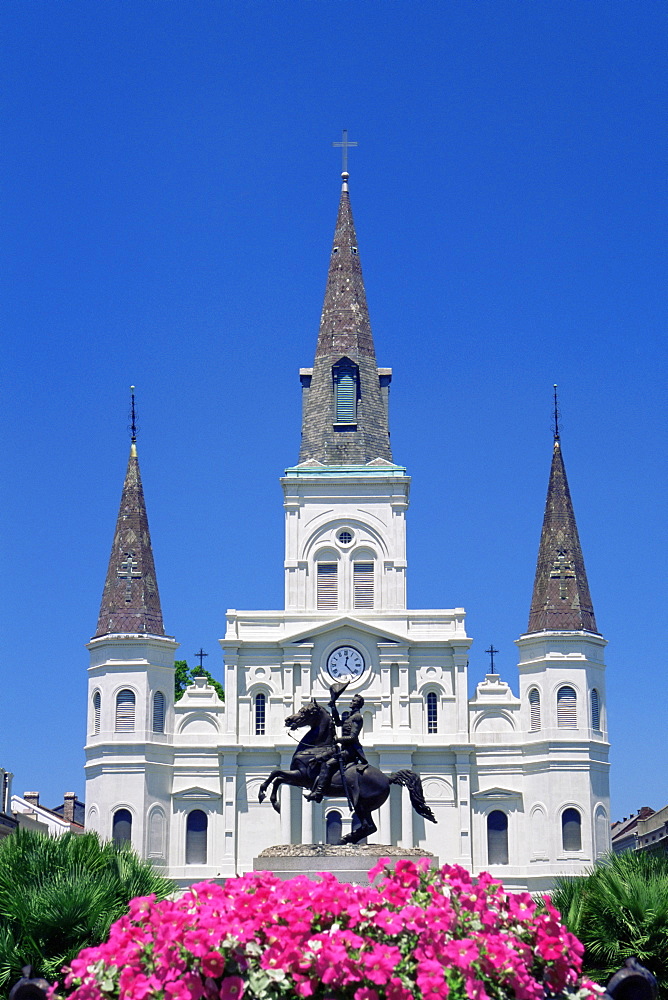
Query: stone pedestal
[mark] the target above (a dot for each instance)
(348, 862)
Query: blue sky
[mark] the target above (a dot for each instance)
(169, 192)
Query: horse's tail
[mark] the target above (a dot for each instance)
(412, 782)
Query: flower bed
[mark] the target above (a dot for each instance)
(415, 933)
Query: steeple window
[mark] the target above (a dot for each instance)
(121, 832)
(260, 714)
(567, 708)
(158, 712)
(534, 709)
(125, 711)
(97, 706)
(497, 838)
(432, 712)
(346, 392)
(571, 830)
(363, 585)
(327, 596)
(196, 830)
(595, 711)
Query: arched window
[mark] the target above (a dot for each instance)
(156, 834)
(345, 375)
(196, 827)
(363, 585)
(567, 708)
(534, 709)
(327, 588)
(571, 830)
(334, 827)
(497, 838)
(158, 712)
(260, 714)
(595, 711)
(97, 705)
(122, 827)
(432, 712)
(125, 711)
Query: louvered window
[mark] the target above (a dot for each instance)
(334, 827)
(595, 711)
(497, 838)
(346, 391)
(327, 596)
(97, 705)
(571, 830)
(432, 712)
(566, 708)
(125, 712)
(196, 828)
(158, 712)
(122, 827)
(260, 714)
(363, 585)
(534, 708)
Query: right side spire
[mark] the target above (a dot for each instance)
(561, 601)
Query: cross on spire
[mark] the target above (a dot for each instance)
(345, 145)
(201, 654)
(133, 416)
(491, 652)
(556, 415)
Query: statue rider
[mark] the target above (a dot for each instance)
(347, 750)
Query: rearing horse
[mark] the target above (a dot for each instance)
(368, 787)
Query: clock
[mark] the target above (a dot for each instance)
(345, 663)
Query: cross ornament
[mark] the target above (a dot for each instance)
(201, 654)
(129, 571)
(491, 652)
(345, 145)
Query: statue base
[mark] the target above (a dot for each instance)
(348, 862)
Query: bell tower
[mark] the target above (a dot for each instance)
(345, 502)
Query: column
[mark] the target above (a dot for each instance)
(286, 803)
(307, 822)
(463, 792)
(228, 780)
(406, 819)
(385, 823)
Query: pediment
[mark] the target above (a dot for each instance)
(345, 621)
(195, 792)
(496, 793)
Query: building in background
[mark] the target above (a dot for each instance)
(518, 782)
(32, 815)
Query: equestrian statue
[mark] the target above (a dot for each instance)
(328, 765)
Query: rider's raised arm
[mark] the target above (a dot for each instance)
(335, 714)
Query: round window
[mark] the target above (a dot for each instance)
(345, 537)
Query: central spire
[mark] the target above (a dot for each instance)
(345, 412)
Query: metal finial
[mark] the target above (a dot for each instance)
(491, 652)
(345, 145)
(200, 655)
(556, 415)
(133, 416)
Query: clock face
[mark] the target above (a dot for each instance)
(345, 663)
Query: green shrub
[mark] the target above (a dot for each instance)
(619, 909)
(60, 894)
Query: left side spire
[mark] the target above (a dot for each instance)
(130, 600)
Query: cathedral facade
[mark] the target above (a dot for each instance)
(518, 783)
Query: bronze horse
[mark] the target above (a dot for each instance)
(368, 787)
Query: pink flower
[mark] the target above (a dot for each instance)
(232, 988)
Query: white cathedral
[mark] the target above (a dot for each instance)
(518, 783)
